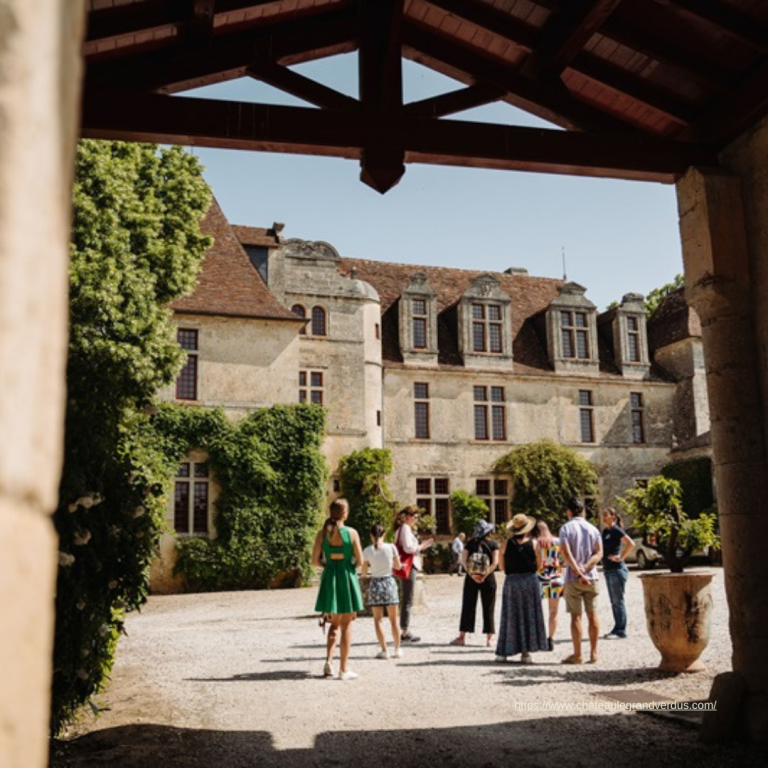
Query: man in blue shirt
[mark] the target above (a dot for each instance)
(582, 549)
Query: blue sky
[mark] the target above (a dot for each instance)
(618, 236)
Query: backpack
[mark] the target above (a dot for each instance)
(478, 562)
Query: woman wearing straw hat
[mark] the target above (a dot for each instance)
(521, 627)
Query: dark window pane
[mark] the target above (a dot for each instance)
(302, 395)
(186, 383)
(200, 512)
(202, 469)
(421, 391)
(187, 338)
(497, 394)
(316, 379)
(481, 394)
(424, 485)
(442, 516)
(419, 333)
(441, 486)
(632, 324)
(483, 487)
(318, 321)
(419, 307)
(565, 319)
(494, 337)
(501, 509)
(636, 399)
(377, 330)
(582, 345)
(316, 397)
(585, 397)
(297, 309)
(500, 487)
(481, 422)
(478, 337)
(581, 320)
(499, 422)
(478, 311)
(378, 418)
(183, 470)
(587, 431)
(181, 508)
(494, 312)
(638, 431)
(302, 378)
(567, 343)
(425, 505)
(634, 348)
(421, 419)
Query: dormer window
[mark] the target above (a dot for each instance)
(485, 333)
(629, 338)
(633, 339)
(418, 321)
(572, 332)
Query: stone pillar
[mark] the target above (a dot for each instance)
(718, 274)
(39, 88)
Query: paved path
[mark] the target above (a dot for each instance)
(235, 679)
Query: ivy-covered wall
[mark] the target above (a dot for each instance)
(271, 476)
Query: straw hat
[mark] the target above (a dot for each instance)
(521, 524)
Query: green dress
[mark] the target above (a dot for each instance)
(339, 587)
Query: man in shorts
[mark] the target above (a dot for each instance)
(582, 547)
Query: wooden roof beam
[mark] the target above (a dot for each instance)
(381, 90)
(553, 104)
(131, 116)
(285, 79)
(454, 101)
(566, 34)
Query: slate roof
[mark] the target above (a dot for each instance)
(228, 284)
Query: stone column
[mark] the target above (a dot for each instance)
(39, 88)
(718, 274)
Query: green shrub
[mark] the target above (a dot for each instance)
(468, 510)
(363, 483)
(437, 558)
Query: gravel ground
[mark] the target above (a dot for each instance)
(235, 679)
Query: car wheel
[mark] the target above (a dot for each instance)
(642, 561)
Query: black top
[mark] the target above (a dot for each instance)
(612, 546)
(519, 558)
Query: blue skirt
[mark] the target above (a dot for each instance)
(522, 627)
(382, 591)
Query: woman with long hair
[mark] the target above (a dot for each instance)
(615, 570)
(339, 596)
(480, 560)
(409, 548)
(382, 591)
(521, 627)
(549, 569)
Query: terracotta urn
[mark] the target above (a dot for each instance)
(678, 609)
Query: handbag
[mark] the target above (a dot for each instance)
(406, 560)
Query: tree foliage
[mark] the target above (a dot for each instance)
(657, 511)
(695, 478)
(657, 295)
(468, 510)
(363, 483)
(136, 245)
(544, 476)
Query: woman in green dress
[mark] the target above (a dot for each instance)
(339, 597)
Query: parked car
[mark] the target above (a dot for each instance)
(643, 554)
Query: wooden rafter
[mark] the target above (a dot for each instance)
(309, 90)
(454, 101)
(206, 122)
(553, 104)
(381, 90)
(566, 34)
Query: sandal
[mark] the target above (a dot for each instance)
(457, 641)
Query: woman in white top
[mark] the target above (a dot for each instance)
(382, 592)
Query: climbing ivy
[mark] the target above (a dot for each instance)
(363, 483)
(271, 474)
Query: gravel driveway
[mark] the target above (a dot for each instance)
(235, 679)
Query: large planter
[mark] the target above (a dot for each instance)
(678, 609)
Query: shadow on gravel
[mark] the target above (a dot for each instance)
(586, 741)
(256, 677)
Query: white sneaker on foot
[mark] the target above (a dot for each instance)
(501, 659)
(327, 669)
(397, 653)
(382, 655)
(348, 675)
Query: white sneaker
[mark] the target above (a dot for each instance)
(501, 659)
(397, 653)
(382, 655)
(348, 675)
(526, 658)
(327, 669)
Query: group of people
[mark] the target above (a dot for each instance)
(537, 567)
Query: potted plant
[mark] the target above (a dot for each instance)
(678, 605)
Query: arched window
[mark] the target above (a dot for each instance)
(297, 309)
(318, 322)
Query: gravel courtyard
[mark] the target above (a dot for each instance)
(235, 679)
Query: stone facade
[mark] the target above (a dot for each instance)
(448, 369)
